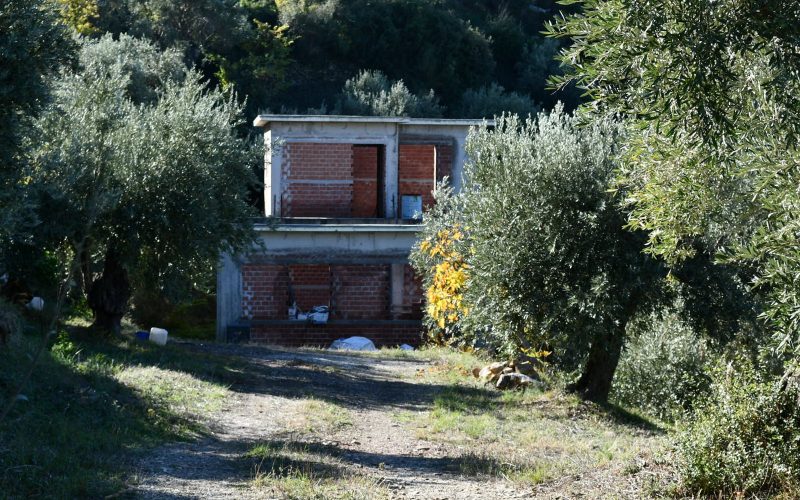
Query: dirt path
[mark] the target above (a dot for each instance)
(272, 408)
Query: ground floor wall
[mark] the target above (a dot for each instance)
(350, 291)
(380, 301)
(360, 272)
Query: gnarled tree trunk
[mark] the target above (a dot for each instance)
(594, 383)
(108, 296)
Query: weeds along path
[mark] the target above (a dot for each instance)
(316, 424)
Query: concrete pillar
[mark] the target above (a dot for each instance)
(390, 181)
(397, 279)
(272, 175)
(229, 295)
(459, 158)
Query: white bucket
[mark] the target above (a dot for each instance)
(158, 336)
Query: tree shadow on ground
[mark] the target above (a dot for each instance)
(78, 427)
(356, 381)
(280, 458)
(342, 379)
(362, 390)
(622, 416)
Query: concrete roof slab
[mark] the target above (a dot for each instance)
(264, 120)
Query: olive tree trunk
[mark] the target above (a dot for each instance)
(108, 296)
(594, 383)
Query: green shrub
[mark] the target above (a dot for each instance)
(664, 369)
(745, 438)
(493, 100)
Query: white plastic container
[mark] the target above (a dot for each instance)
(158, 336)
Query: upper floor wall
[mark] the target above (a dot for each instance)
(358, 167)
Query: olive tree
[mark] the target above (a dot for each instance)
(140, 169)
(711, 92)
(372, 93)
(550, 264)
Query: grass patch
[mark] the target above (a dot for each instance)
(315, 416)
(404, 417)
(529, 438)
(305, 471)
(173, 393)
(93, 405)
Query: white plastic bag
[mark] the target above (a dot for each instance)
(354, 344)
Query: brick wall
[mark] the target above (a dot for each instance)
(302, 334)
(413, 294)
(311, 285)
(361, 291)
(317, 180)
(356, 291)
(341, 180)
(415, 172)
(365, 181)
(444, 162)
(264, 291)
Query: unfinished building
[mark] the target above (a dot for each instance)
(342, 200)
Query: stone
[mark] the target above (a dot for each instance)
(514, 381)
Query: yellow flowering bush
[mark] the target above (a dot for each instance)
(447, 272)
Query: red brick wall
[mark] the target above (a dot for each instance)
(415, 172)
(264, 291)
(317, 180)
(311, 285)
(361, 291)
(365, 181)
(357, 292)
(302, 334)
(413, 294)
(341, 180)
(353, 291)
(444, 162)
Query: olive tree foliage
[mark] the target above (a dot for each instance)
(550, 263)
(372, 93)
(148, 70)
(33, 45)
(140, 170)
(711, 90)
